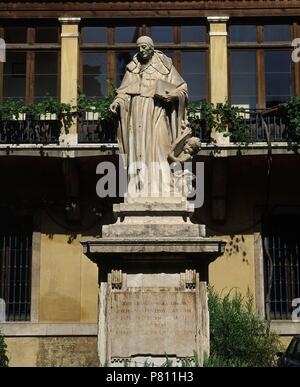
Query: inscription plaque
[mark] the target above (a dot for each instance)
(153, 322)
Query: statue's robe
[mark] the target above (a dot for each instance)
(149, 125)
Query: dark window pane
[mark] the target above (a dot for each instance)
(15, 266)
(122, 58)
(94, 34)
(243, 78)
(46, 35)
(46, 68)
(278, 76)
(277, 33)
(14, 82)
(15, 34)
(169, 53)
(162, 34)
(193, 34)
(126, 34)
(240, 34)
(193, 71)
(94, 74)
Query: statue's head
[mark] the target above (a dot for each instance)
(192, 146)
(145, 48)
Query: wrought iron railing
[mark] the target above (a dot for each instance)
(30, 130)
(258, 126)
(93, 129)
(200, 130)
(266, 126)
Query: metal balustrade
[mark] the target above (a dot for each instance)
(258, 126)
(92, 129)
(30, 130)
(264, 126)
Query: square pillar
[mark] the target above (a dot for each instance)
(69, 73)
(218, 65)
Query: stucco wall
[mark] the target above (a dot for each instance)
(52, 351)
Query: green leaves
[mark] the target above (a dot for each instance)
(96, 105)
(223, 118)
(12, 109)
(291, 110)
(239, 337)
(203, 116)
(231, 122)
(3, 357)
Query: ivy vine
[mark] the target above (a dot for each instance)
(291, 113)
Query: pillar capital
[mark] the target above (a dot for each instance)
(218, 19)
(69, 20)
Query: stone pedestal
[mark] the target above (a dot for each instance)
(153, 265)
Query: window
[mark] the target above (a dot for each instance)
(46, 35)
(193, 71)
(14, 75)
(15, 267)
(31, 70)
(15, 34)
(95, 74)
(262, 73)
(243, 78)
(162, 34)
(242, 33)
(116, 45)
(277, 33)
(94, 34)
(126, 34)
(278, 76)
(193, 34)
(282, 265)
(187, 46)
(46, 75)
(123, 58)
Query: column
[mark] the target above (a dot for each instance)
(69, 73)
(218, 64)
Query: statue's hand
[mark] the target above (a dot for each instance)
(114, 107)
(170, 97)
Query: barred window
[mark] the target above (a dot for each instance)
(15, 267)
(282, 265)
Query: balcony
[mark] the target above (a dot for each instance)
(30, 130)
(266, 126)
(245, 131)
(93, 130)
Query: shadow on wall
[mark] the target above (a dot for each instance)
(237, 246)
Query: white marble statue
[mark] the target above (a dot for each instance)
(151, 104)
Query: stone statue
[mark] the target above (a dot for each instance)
(184, 147)
(182, 151)
(151, 106)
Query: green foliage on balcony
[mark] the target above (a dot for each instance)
(12, 109)
(292, 111)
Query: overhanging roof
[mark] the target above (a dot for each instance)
(154, 8)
